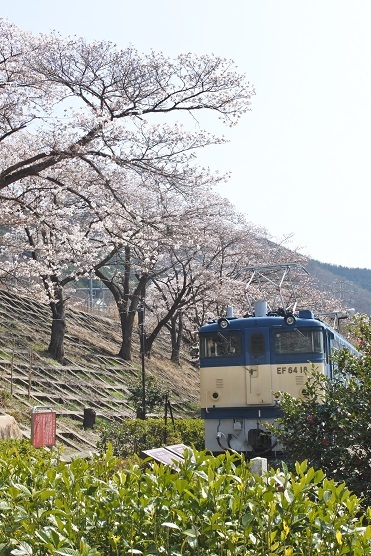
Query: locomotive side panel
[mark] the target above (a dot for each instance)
(222, 387)
(239, 387)
(236, 386)
(291, 378)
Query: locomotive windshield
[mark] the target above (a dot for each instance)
(221, 344)
(298, 340)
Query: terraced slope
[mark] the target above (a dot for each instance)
(92, 378)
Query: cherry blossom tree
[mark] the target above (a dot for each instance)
(205, 274)
(89, 122)
(68, 231)
(163, 224)
(47, 245)
(64, 99)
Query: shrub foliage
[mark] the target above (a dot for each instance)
(209, 506)
(134, 435)
(330, 427)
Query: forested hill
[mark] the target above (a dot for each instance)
(351, 285)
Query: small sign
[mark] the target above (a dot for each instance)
(43, 426)
(162, 455)
(169, 455)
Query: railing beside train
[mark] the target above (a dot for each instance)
(245, 360)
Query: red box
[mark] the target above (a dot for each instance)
(43, 428)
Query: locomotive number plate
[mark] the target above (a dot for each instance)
(299, 369)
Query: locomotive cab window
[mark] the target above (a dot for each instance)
(298, 340)
(221, 344)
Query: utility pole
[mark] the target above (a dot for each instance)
(142, 351)
(91, 294)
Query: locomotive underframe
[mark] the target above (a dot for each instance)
(248, 436)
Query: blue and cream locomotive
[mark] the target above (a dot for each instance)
(245, 361)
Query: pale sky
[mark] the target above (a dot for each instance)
(300, 160)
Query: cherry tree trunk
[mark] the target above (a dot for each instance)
(127, 324)
(127, 301)
(176, 331)
(56, 345)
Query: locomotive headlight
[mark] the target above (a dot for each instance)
(214, 396)
(223, 323)
(290, 320)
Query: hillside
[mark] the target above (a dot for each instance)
(92, 378)
(351, 285)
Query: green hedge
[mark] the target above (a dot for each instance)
(210, 506)
(132, 436)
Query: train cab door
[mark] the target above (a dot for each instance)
(257, 368)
